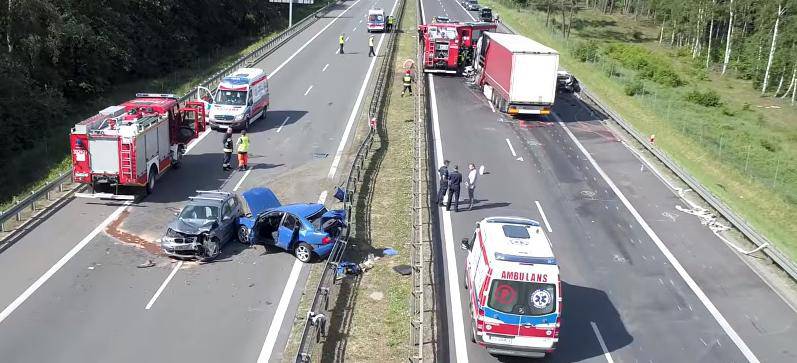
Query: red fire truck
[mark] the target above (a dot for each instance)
(448, 47)
(132, 144)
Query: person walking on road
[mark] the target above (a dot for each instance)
(443, 176)
(407, 82)
(341, 40)
(371, 46)
(454, 181)
(471, 183)
(227, 144)
(243, 151)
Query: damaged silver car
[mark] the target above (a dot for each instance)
(203, 226)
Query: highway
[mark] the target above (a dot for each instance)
(72, 290)
(643, 281)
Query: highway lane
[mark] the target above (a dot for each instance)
(616, 276)
(93, 309)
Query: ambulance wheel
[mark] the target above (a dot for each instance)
(151, 180)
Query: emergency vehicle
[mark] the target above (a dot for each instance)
(447, 47)
(376, 20)
(238, 101)
(515, 295)
(132, 144)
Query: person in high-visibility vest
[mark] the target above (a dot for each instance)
(341, 40)
(243, 151)
(407, 81)
(390, 21)
(227, 144)
(371, 46)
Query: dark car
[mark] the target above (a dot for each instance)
(203, 226)
(486, 14)
(304, 229)
(567, 82)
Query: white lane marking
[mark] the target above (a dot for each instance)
(491, 105)
(282, 306)
(355, 29)
(334, 168)
(347, 39)
(712, 309)
(241, 181)
(308, 90)
(603, 344)
(283, 124)
(458, 327)
(163, 285)
(311, 39)
(325, 67)
(196, 141)
(466, 11)
(544, 218)
(57, 266)
(511, 148)
(361, 21)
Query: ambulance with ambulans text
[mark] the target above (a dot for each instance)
(240, 99)
(514, 290)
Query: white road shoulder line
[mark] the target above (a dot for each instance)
(602, 343)
(512, 149)
(163, 285)
(712, 309)
(458, 327)
(241, 181)
(339, 152)
(283, 124)
(544, 218)
(57, 266)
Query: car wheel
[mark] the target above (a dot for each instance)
(212, 248)
(303, 252)
(243, 235)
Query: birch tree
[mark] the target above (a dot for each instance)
(710, 33)
(728, 41)
(781, 11)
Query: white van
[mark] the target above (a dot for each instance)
(239, 100)
(513, 282)
(376, 20)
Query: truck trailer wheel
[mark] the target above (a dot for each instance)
(151, 180)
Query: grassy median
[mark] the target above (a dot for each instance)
(739, 145)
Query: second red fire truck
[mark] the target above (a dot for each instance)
(448, 47)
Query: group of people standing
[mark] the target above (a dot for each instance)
(242, 146)
(450, 182)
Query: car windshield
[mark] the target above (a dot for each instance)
(315, 218)
(522, 298)
(233, 98)
(376, 18)
(199, 214)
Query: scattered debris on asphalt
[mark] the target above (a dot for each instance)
(147, 264)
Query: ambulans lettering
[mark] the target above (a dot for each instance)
(524, 276)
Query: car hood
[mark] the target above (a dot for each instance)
(260, 200)
(182, 226)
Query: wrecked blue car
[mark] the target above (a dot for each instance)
(307, 230)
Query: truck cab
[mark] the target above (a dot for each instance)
(515, 296)
(238, 101)
(376, 20)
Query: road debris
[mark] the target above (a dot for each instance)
(147, 264)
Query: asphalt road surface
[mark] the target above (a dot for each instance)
(649, 280)
(72, 293)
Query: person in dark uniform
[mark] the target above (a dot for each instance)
(454, 180)
(227, 143)
(443, 176)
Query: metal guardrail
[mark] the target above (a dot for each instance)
(248, 59)
(783, 261)
(315, 324)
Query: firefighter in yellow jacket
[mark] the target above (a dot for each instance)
(407, 82)
(243, 151)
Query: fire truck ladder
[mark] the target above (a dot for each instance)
(127, 162)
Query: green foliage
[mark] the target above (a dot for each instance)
(707, 98)
(645, 63)
(634, 87)
(586, 51)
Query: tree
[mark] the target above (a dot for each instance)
(728, 41)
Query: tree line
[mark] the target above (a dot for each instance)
(755, 40)
(56, 54)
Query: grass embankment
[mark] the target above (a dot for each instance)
(719, 128)
(52, 150)
(380, 327)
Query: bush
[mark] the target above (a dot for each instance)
(586, 51)
(646, 63)
(634, 87)
(707, 98)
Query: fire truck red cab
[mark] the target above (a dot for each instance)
(132, 144)
(447, 47)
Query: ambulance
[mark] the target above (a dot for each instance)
(514, 290)
(376, 20)
(240, 99)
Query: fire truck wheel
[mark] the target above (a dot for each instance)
(151, 180)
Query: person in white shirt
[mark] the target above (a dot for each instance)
(471, 183)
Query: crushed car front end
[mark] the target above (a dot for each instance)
(178, 244)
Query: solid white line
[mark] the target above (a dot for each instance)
(334, 168)
(196, 141)
(466, 11)
(544, 218)
(322, 198)
(279, 314)
(241, 181)
(511, 148)
(712, 309)
(283, 124)
(603, 344)
(163, 285)
(57, 266)
(308, 90)
(311, 39)
(325, 67)
(460, 346)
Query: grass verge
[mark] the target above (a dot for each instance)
(742, 149)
